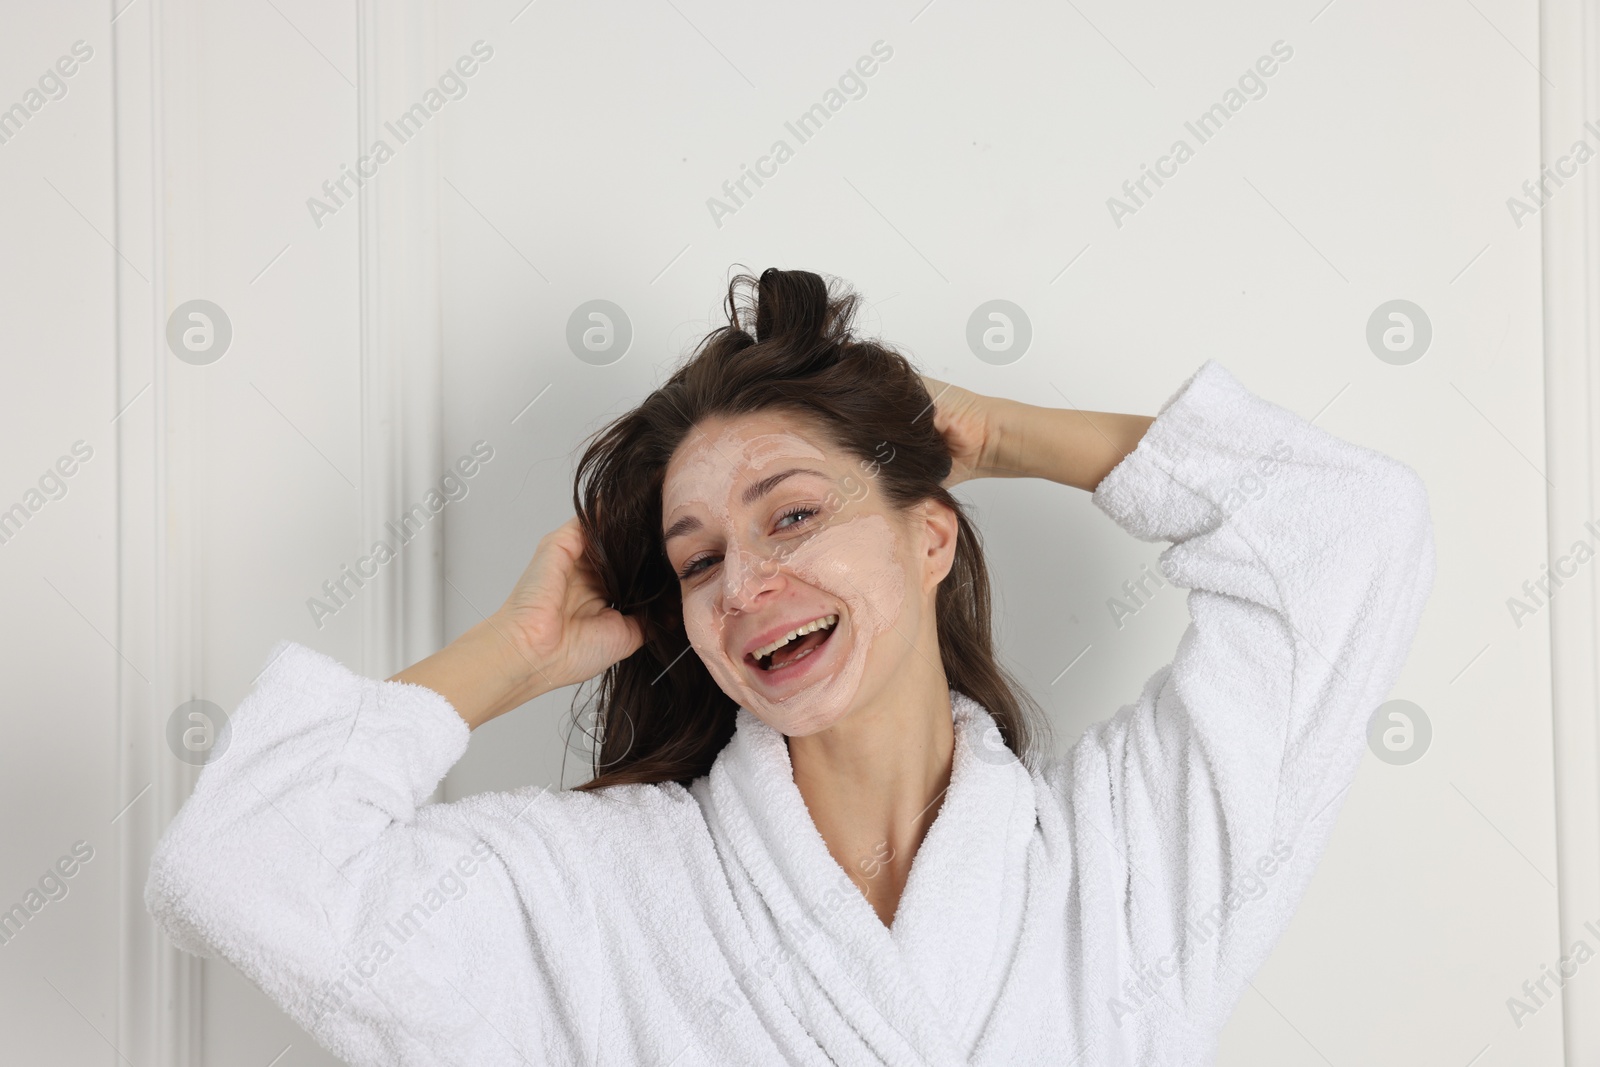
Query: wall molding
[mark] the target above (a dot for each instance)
(1569, 46)
(402, 446)
(158, 1006)
(158, 97)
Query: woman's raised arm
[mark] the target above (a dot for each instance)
(392, 928)
(1197, 813)
(553, 630)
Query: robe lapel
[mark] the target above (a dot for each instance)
(921, 994)
(960, 918)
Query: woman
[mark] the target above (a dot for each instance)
(825, 836)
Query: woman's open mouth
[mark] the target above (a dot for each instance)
(784, 654)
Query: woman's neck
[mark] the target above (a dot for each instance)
(874, 781)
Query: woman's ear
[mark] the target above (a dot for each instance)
(940, 530)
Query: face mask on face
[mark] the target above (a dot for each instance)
(848, 562)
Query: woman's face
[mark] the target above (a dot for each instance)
(775, 531)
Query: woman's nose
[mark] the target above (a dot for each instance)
(747, 576)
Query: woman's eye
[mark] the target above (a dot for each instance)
(695, 566)
(796, 516)
(800, 515)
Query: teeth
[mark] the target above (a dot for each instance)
(816, 624)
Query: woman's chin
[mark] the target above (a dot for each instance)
(814, 721)
(807, 711)
(796, 711)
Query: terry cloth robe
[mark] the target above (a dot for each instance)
(1106, 908)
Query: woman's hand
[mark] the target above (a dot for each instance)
(554, 630)
(993, 438)
(557, 617)
(970, 425)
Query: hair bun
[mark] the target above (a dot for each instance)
(791, 304)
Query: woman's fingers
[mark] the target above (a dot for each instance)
(959, 416)
(936, 392)
(630, 635)
(561, 605)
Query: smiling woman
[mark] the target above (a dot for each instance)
(761, 464)
(821, 829)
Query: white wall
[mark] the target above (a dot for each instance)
(373, 349)
(58, 572)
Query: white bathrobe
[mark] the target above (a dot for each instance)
(1106, 909)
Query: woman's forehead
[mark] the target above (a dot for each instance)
(719, 454)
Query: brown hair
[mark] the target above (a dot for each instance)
(658, 714)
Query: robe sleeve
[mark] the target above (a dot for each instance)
(1208, 802)
(392, 929)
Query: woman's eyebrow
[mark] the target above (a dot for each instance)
(687, 524)
(757, 490)
(752, 493)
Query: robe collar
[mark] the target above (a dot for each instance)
(922, 992)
